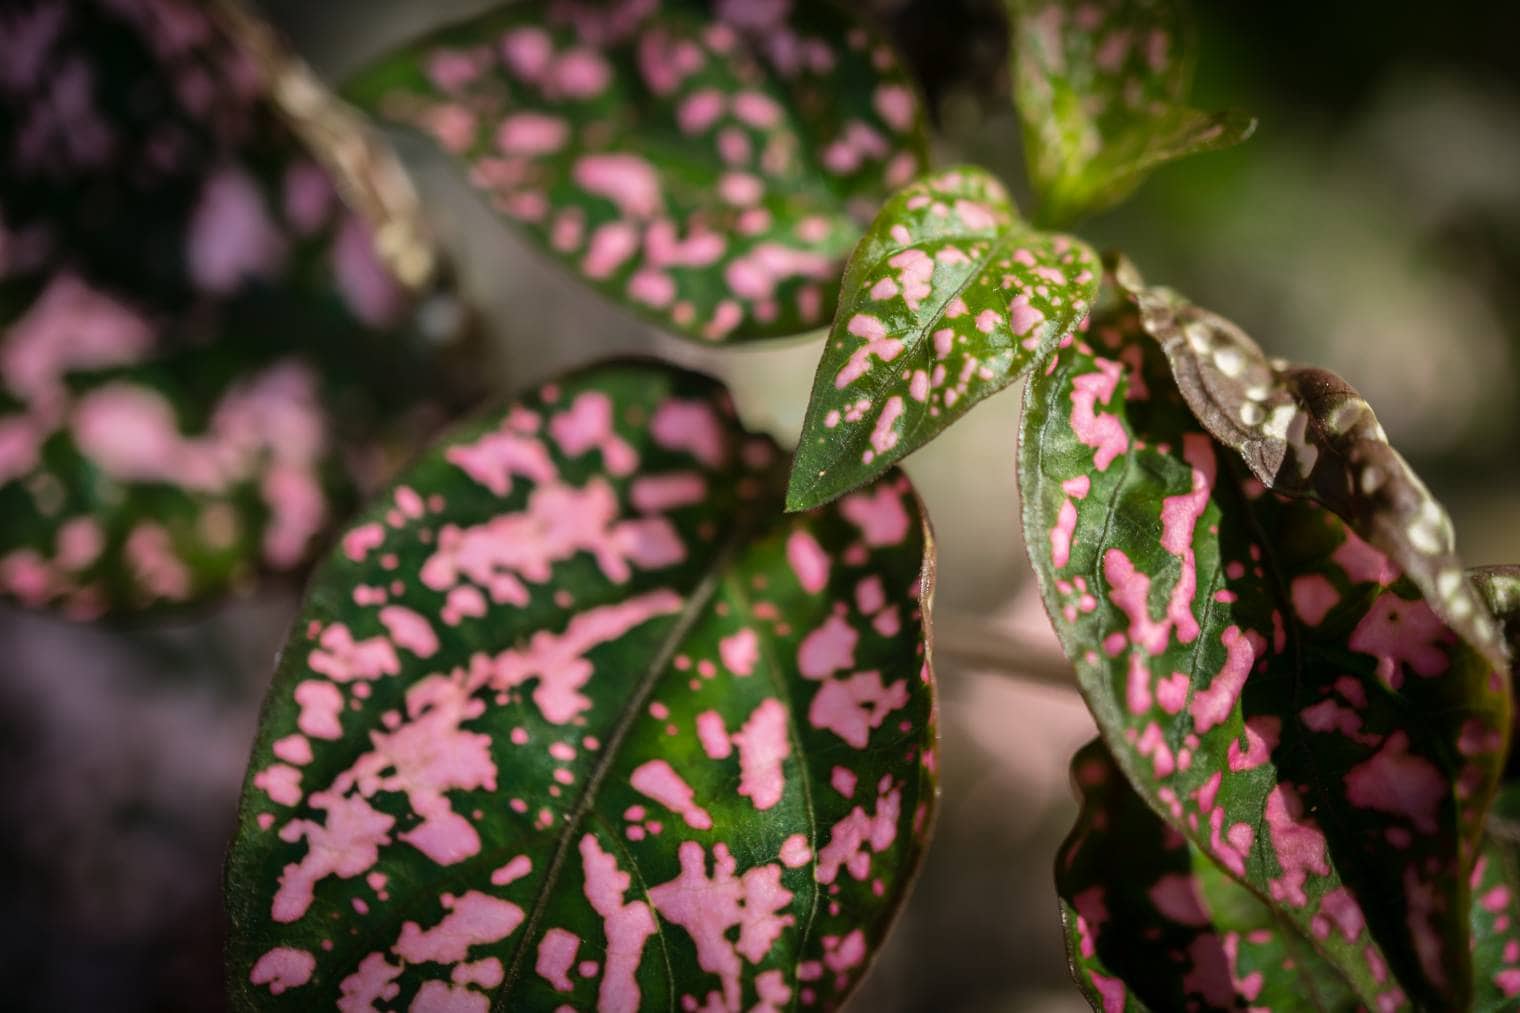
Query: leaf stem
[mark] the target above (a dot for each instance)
(366, 170)
(973, 642)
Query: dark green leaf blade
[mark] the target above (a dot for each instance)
(1152, 923)
(1100, 88)
(948, 299)
(707, 171)
(1253, 666)
(577, 715)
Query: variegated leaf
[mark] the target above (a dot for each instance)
(1153, 924)
(948, 299)
(577, 716)
(183, 303)
(1100, 87)
(1496, 920)
(1267, 680)
(1306, 432)
(709, 169)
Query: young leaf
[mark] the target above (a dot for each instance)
(947, 300)
(1269, 682)
(1306, 432)
(576, 715)
(1499, 587)
(1100, 87)
(1153, 924)
(709, 171)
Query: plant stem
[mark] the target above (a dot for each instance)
(978, 644)
(365, 169)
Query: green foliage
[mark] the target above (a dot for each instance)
(948, 299)
(575, 714)
(707, 170)
(1267, 680)
(1100, 87)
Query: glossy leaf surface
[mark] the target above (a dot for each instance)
(1306, 432)
(1267, 680)
(1153, 924)
(576, 715)
(709, 169)
(183, 303)
(1496, 922)
(948, 299)
(1100, 86)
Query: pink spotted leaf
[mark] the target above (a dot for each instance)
(1271, 684)
(576, 716)
(708, 167)
(1153, 924)
(948, 299)
(1101, 87)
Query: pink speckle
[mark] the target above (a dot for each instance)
(1213, 705)
(1402, 633)
(531, 133)
(763, 745)
(708, 907)
(1024, 318)
(795, 852)
(828, 648)
(283, 967)
(556, 952)
(692, 427)
(895, 105)
(232, 238)
(843, 781)
(1099, 430)
(626, 927)
(884, 435)
(1313, 597)
(879, 514)
(659, 780)
(320, 703)
(851, 707)
(514, 870)
(877, 343)
(475, 919)
(661, 493)
(1176, 898)
(629, 181)
(581, 74)
(853, 835)
(280, 782)
(347, 846)
(740, 651)
(1362, 563)
(808, 560)
(1298, 843)
(1061, 534)
(1396, 782)
(713, 735)
(409, 630)
(293, 749)
(588, 425)
(1261, 732)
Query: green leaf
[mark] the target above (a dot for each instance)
(948, 299)
(1499, 587)
(1306, 432)
(708, 171)
(576, 715)
(198, 345)
(1100, 87)
(1153, 924)
(1268, 681)
(1496, 922)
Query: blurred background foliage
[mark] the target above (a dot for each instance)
(1372, 226)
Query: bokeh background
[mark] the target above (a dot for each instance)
(1372, 225)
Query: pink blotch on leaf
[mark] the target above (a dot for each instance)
(556, 952)
(282, 968)
(1399, 783)
(475, 919)
(764, 744)
(626, 927)
(658, 780)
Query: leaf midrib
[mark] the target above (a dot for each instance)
(696, 603)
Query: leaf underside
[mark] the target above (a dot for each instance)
(183, 299)
(1100, 88)
(948, 299)
(575, 715)
(1271, 684)
(708, 170)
